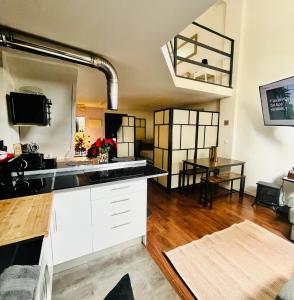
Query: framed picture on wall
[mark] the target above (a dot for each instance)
(277, 100)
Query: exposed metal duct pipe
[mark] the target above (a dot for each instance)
(19, 40)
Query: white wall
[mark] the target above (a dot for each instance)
(213, 18)
(58, 82)
(268, 30)
(228, 106)
(208, 106)
(7, 133)
(266, 56)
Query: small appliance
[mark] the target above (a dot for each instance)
(33, 161)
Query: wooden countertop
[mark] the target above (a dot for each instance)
(25, 217)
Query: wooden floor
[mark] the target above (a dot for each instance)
(178, 219)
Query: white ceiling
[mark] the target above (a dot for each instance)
(130, 33)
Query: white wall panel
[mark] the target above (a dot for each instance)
(203, 153)
(128, 134)
(205, 118)
(131, 121)
(158, 158)
(200, 143)
(191, 154)
(177, 160)
(122, 150)
(165, 160)
(125, 121)
(119, 135)
(211, 136)
(140, 133)
(131, 149)
(188, 137)
(193, 117)
(163, 136)
(176, 136)
(162, 180)
(166, 117)
(159, 117)
(181, 116)
(156, 129)
(215, 119)
(174, 181)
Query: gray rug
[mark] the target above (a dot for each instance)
(96, 278)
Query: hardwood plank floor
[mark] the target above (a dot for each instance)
(179, 219)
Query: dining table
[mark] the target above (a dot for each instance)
(208, 166)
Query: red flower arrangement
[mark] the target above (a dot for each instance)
(101, 146)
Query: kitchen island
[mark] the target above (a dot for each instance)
(93, 210)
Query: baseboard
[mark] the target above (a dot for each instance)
(86, 258)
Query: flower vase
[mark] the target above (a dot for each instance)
(102, 158)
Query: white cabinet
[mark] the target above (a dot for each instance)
(43, 290)
(119, 213)
(71, 226)
(94, 218)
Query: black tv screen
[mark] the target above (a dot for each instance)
(277, 100)
(27, 109)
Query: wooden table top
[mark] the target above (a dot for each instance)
(220, 163)
(25, 217)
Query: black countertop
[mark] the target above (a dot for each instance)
(46, 183)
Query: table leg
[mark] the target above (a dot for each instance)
(194, 176)
(183, 176)
(206, 188)
(231, 189)
(211, 195)
(242, 184)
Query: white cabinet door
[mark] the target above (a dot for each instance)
(71, 225)
(119, 217)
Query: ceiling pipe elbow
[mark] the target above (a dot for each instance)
(112, 81)
(23, 41)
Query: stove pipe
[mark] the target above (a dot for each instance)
(23, 41)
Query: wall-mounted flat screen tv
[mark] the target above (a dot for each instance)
(277, 100)
(28, 109)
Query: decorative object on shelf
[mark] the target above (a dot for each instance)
(102, 149)
(187, 74)
(81, 143)
(205, 61)
(291, 174)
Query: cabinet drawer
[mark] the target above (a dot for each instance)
(119, 233)
(118, 219)
(121, 218)
(118, 189)
(120, 204)
(104, 208)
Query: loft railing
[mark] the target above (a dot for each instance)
(213, 65)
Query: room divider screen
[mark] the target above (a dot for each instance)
(126, 137)
(181, 134)
(140, 129)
